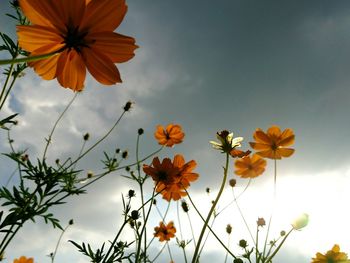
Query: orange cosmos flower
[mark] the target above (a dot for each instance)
(333, 256)
(23, 260)
(172, 178)
(176, 190)
(250, 167)
(173, 134)
(272, 144)
(165, 232)
(81, 32)
(162, 172)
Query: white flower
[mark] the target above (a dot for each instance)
(301, 221)
(226, 141)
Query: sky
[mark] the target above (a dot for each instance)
(208, 66)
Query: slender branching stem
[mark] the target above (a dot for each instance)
(48, 141)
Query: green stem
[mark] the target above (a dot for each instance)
(27, 59)
(144, 226)
(273, 205)
(206, 223)
(279, 246)
(48, 141)
(58, 243)
(210, 229)
(114, 241)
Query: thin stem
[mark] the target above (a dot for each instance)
(3, 99)
(99, 141)
(228, 245)
(144, 226)
(141, 181)
(241, 213)
(238, 196)
(9, 240)
(114, 241)
(279, 246)
(159, 253)
(273, 205)
(54, 126)
(27, 59)
(195, 256)
(58, 243)
(210, 229)
(178, 219)
(193, 238)
(169, 251)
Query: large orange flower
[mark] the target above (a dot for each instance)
(273, 143)
(23, 259)
(332, 256)
(176, 190)
(81, 32)
(172, 178)
(165, 232)
(169, 136)
(162, 173)
(250, 167)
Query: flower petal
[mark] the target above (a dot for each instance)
(46, 68)
(32, 38)
(103, 15)
(117, 47)
(71, 70)
(71, 12)
(285, 152)
(101, 67)
(44, 13)
(178, 161)
(259, 146)
(261, 137)
(274, 131)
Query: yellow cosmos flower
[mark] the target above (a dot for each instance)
(332, 256)
(273, 143)
(250, 166)
(23, 259)
(81, 32)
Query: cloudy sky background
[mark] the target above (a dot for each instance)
(235, 65)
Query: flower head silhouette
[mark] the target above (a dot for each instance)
(81, 33)
(272, 144)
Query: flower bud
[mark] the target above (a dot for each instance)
(184, 206)
(86, 136)
(242, 243)
(232, 182)
(300, 221)
(140, 131)
(228, 229)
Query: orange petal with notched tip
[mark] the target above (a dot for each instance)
(178, 161)
(71, 70)
(261, 137)
(260, 146)
(101, 67)
(274, 131)
(46, 68)
(32, 38)
(285, 152)
(103, 15)
(71, 10)
(44, 13)
(117, 47)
